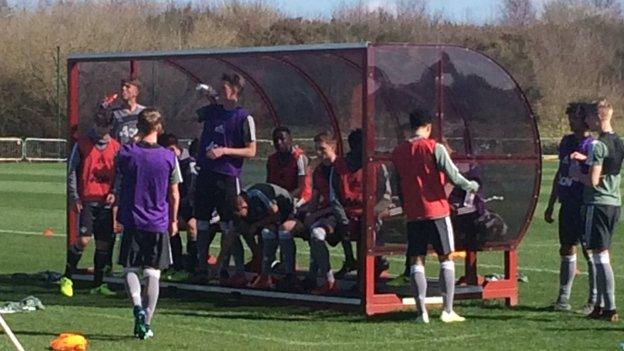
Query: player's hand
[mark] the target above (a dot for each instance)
(577, 156)
(117, 227)
(110, 199)
(215, 153)
(173, 228)
(77, 206)
(548, 214)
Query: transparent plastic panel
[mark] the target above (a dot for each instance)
(405, 79)
(484, 113)
(95, 81)
(493, 218)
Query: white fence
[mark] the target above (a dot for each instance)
(33, 150)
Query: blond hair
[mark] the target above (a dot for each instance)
(604, 109)
(150, 120)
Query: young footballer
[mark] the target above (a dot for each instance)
(602, 201)
(186, 188)
(147, 186)
(90, 186)
(126, 116)
(570, 196)
(423, 166)
(321, 220)
(270, 209)
(228, 138)
(288, 167)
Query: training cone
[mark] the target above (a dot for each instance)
(69, 342)
(48, 232)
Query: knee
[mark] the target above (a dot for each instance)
(567, 250)
(83, 241)
(285, 235)
(318, 234)
(601, 257)
(202, 225)
(152, 273)
(267, 234)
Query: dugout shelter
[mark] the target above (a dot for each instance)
(481, 114)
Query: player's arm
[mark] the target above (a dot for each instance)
(595, 157)
(552, 199)
(174, 198)
(72, 178)
(446, 165)
(302, 179)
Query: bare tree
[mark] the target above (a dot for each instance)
(517, 12)
(607, 7)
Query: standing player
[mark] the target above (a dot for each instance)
(148, 210)
(125, 125)
(570, 195)
(270, 209)
(423, 165)
(228, 137)
(126, 116)
(601, 198)
(90, 186)
(186, 189)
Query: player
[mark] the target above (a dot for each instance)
(126, 116)
(422, 166)
(228, 137)
(148, 210)
(570, 196)
(186, 188)
(90, 187)
(270, 209)
(601, 200)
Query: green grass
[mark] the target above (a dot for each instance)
(33, 199)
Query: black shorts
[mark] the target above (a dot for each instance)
(435, 232)
(96, 220)
(141, 249)
(185, 213)
(600, 221)
(570, 224)
(215, 191)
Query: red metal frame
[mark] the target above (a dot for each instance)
(371, 301)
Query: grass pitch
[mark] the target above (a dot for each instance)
(33, 198)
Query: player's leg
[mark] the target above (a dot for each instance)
(191, 244)
(269, 249)
(603, 224)
(156, 257)
(103, 233)
(205, 196)
(288, 251)
(130, 259)
(416, 253)
(442, 238)
(74, 252)
(229, 188)
(592, 294)
(320, 232)
(568, 239)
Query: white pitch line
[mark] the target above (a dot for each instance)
(394, 259)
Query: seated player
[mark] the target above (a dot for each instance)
(186, 189)
(288, 167)
(270, 209)
(90, 187)
(321, 221)
(422, 166)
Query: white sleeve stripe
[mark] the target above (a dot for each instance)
(252, 128)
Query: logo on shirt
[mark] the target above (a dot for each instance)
(220, 129)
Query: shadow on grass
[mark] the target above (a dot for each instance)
(89, 336)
